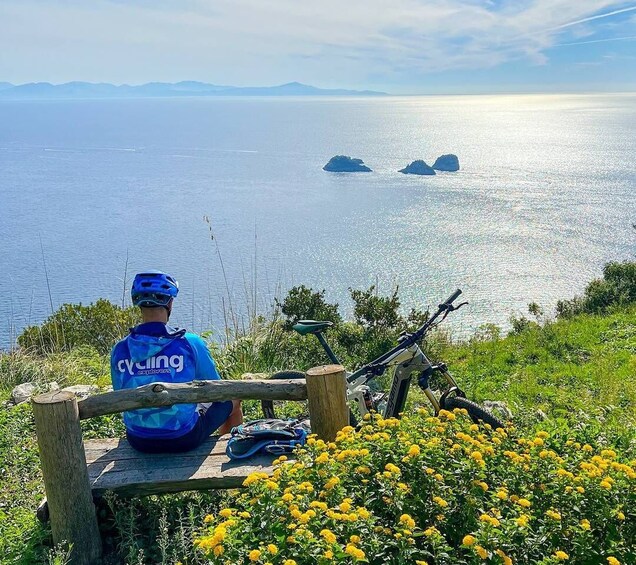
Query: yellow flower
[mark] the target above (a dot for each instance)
(561, 555)
(506, 559)
(554, 515)
(524, 502)
(391, 468)
(225, 513)
(440, 501)
(585, 524)
(620, 515)
(469, 540)
(407, 521)
(328, 536)
(356, 553)
(502, 495)
(253, 478)
(208, 518)
(613, 561)
(287, 497)
(587, 448)
(354, 539)
(522, 521)
(420, 562)
(272, 549)
(477, 456)
(606, 484)
(254, 555)
(481, 552)
(331, 483)
(289, 562)
(218, 551)
(414, 450)
(364, 513)
(244, 514)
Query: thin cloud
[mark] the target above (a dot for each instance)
(267, 41)
(628, 38)
(597, 17)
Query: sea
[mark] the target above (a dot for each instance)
(229, 195)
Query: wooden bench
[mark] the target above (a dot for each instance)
(75, 471)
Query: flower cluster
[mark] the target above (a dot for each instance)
(433, 490)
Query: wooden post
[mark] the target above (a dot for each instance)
(68, 491)
(327, 395)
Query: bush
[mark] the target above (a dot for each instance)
(616, 288)
(97, 325)
(302, 303)
(434, 490)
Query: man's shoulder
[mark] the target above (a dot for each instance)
(195, 340)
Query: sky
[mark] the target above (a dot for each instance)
(398, 46)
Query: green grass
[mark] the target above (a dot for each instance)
(577, 369)
(586, 364)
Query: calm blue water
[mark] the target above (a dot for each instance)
(545, 196)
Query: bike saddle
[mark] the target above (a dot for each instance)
(304, 327)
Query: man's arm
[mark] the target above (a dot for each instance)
(205, 366)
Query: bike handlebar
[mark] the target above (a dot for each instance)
(416, 336)
(453, 297)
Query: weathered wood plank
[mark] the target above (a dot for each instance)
(114, 466)
(59, 434)
(165, 394)
(328, 410)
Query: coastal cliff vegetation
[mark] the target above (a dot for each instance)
(559, 486)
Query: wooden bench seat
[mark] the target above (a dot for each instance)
(113, 465)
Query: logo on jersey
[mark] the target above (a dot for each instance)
(152, 365)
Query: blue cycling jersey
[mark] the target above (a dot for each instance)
(154, 352)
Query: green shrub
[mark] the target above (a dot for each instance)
(97, 325)
(82, 365)
(303, 303)
(616, 288)
(438, 491)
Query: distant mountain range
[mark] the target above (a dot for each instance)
(44, 90)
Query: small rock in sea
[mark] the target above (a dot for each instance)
(23, 392)
(418, 167)
(345, 164)
(82, 391)
(448, 162)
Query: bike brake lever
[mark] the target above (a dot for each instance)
(453, 308)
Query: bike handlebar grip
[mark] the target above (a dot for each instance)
(453, 297)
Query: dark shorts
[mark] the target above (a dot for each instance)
(211, 416)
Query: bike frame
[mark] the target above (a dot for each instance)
(407, 358)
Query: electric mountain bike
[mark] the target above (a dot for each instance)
(407, 360)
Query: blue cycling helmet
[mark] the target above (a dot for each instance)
(153, 288)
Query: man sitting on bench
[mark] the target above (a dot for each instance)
(155, 352)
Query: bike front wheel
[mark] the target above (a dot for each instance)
(476, 412)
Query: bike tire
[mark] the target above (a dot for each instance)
(476, 412)
(267, 406)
